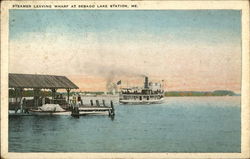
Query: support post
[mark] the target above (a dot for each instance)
(21, 92)
(36, 96)
(16, 104)
(53, 90)
(15, 90)
(68, 90)
(103, 102)
(91, 102)
(43, 96)
(21, 100)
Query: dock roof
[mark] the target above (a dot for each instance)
(40, 81)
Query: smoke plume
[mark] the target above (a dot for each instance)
(110, 73)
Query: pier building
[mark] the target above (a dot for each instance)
(38, 84)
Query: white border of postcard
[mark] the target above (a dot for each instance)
(141, 5)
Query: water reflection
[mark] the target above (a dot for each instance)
(112, 117)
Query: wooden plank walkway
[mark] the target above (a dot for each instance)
(83, 110)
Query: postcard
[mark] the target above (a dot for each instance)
(125, 79)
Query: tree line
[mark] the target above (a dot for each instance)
(200, 93)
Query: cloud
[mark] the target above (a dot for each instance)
(89, 54)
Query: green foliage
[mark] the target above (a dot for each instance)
(223, 93)
(195, 93)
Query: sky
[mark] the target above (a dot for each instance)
(198, 50)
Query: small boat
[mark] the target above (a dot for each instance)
(18, 113)
(39, 112)
(151, 93)
(49, 109)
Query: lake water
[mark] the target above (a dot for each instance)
(181, 124)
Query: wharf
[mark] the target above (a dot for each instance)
(94, 108)
(87, 110)
(75, 111)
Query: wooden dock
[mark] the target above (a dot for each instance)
(76, 111)
(94, 110)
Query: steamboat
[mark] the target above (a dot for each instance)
(151, 93)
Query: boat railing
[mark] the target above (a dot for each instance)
(144, 91)
(136, 93)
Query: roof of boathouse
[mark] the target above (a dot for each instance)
(40, 81)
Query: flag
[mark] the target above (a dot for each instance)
(119, 82)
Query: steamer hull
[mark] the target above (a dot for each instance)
(134, 102)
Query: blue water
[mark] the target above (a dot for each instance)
(181, 124)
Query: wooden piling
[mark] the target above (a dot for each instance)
(75, 112)
(91, 102)
(111, 104)
(112, 111)
(103, 102)
(97, 103)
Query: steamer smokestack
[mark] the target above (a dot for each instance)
(146, 83)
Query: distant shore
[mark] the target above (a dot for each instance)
(200, 93)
